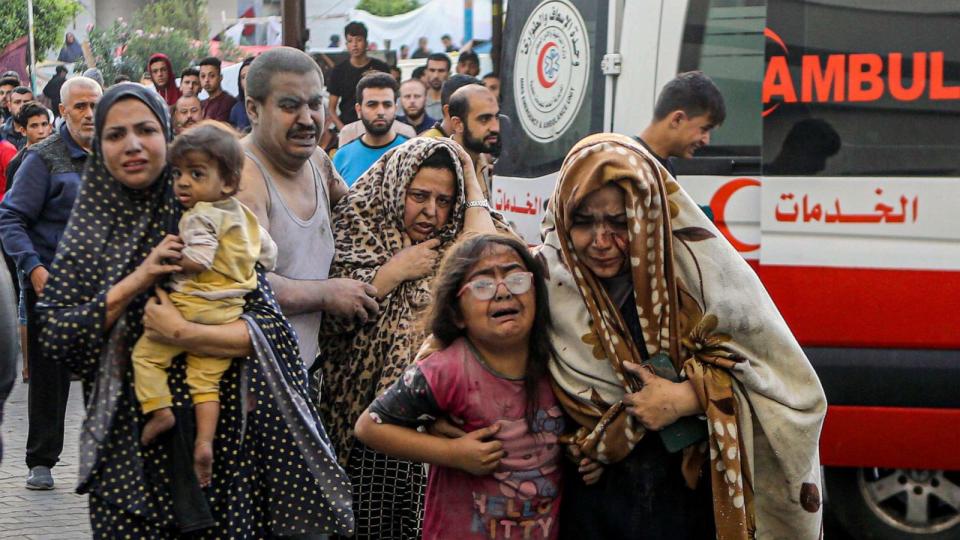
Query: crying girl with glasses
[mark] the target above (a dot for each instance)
(489, 321)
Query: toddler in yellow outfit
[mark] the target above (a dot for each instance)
(222, 242)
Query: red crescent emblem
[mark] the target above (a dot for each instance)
(543, 53)
(719, 206)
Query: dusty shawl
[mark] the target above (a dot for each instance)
(701, 304)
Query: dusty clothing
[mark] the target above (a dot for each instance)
(699, 304)
(226, 238)
(304, 247)
(522, 497)
(265, 409)
(359, 362)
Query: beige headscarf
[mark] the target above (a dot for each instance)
(699, 303)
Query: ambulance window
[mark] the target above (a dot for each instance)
(840, 96)
(724, 39)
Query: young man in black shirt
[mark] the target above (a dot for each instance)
(688, 108)
(345, 76)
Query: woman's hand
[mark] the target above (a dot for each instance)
(160, 262)
(416, 261)
(470, 453)
(471, 184)
(660, 402)
(162, 321)
(589, 469)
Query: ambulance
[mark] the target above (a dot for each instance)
(836, 175)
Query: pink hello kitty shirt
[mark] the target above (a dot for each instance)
(521, 500)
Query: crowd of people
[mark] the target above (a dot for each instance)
(274, 342)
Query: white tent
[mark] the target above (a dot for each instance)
(433, 19)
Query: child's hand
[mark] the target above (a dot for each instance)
(470, 453)
(589, 469)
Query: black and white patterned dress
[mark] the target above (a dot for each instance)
(275, 473)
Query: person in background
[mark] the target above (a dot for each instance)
(404, 52)
(413, 101)
(444, 127)
(7, 84)
(8, 132)
(7, 152)
(687, 110)
(218, 103)
(33, 122)
(475, 123)
(377, 108)
(468, 63)
(190, 82)
(396, 74)
(291, 185)
(121, 79)
(345, 76)
(422, 50)
(438, 71)
(334, 41)
(146, 81)
(420, 72)
(52, 89)
(448, 45)
(161, 74)
(94, 73)
(71, 50)
(492, 81)
(32, 220)
(187, 112)
(238, 114)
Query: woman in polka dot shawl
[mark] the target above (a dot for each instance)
(275, 473)
(637, 274)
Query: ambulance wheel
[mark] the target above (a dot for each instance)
(895, 504)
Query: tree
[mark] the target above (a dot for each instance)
(190, 16)
(388, 8)
(50, 18)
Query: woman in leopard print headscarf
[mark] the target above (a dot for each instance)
(391, 231)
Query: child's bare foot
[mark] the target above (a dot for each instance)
(160, 420)
(203, 462)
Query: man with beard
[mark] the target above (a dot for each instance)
(468, 63)
(443, 127)
(377, 108)
(438, 70)
(33, 216)
(190, 82)
(413, 101)
(291, 185)
(186, 113)
(475, 123)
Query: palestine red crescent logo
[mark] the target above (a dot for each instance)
(551, 70)
(548, 64)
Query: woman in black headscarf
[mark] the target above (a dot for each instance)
(276, 474)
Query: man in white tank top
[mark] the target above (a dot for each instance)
(291, 185)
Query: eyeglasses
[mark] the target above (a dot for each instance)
(486, 288)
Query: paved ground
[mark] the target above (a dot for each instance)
(34, 515)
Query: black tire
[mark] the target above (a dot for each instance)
(872, 503)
